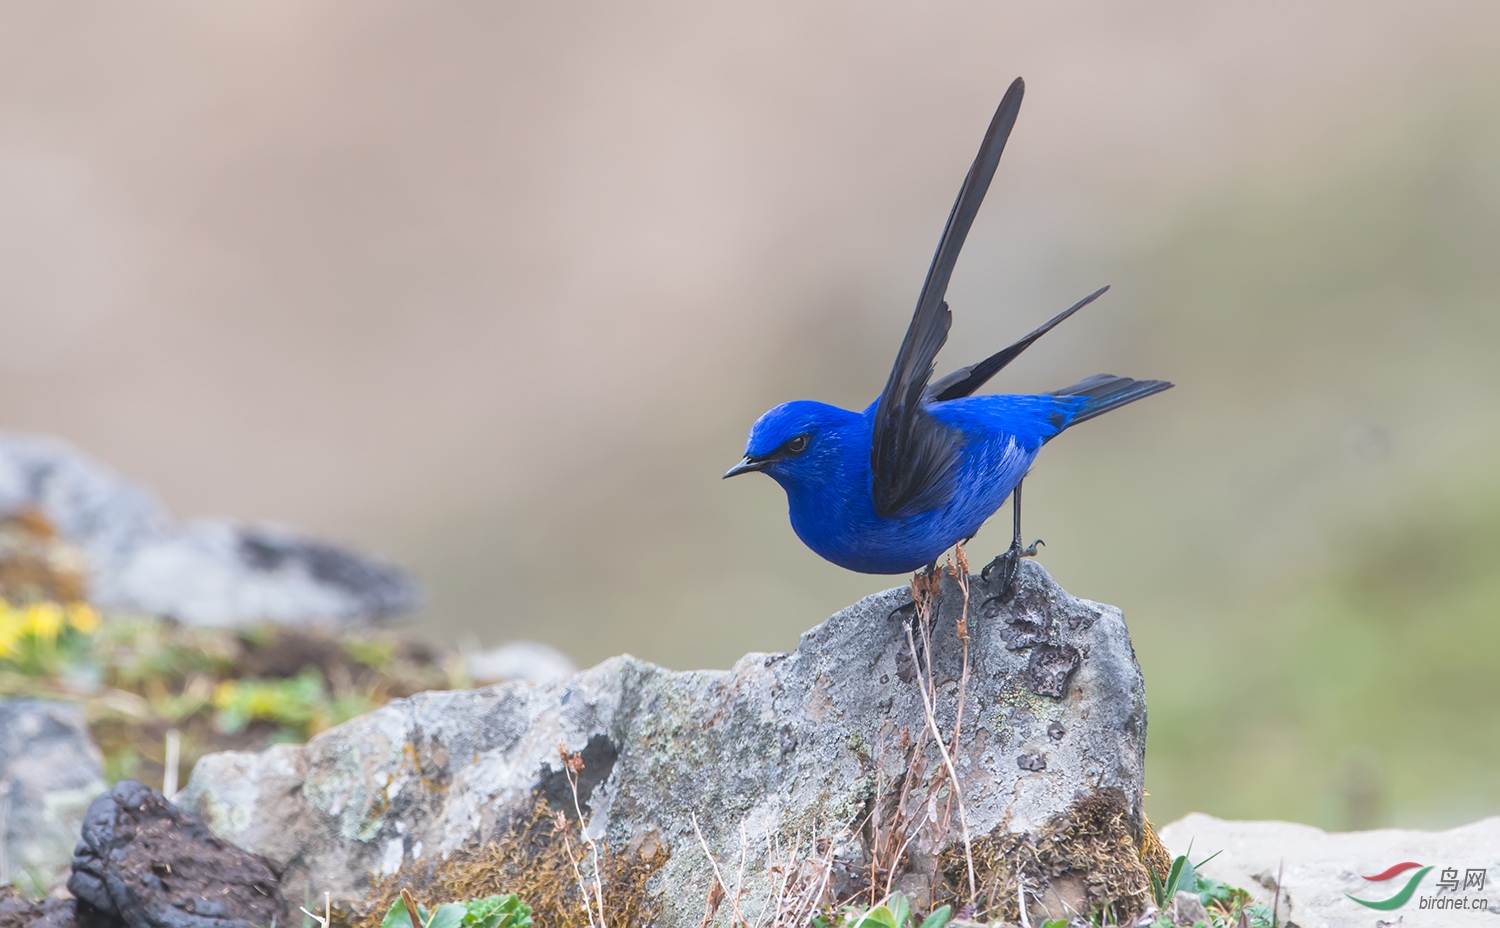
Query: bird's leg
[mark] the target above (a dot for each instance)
(1009, 563)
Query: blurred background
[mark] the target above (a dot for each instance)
(496, 290)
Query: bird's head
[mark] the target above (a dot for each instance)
(797, 442)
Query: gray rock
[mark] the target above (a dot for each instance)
(780, 745)
(49, 772)
(1188, 910)
(528, 661)
(1317, 871)
(201, 573)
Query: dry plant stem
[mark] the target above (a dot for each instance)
(875, 832)
(411, 908)
(782, 870)
(900, 853)
(961, 574)
(924, 611)
(1276, 903)
(813, 897)
(327, 916)
(568, 761)
(900, 822)
(739, 879)
(588, 906)
(711, 905)
(932, 588)
(919, 752)
(876, 842)
(796, 884)
(797, 897)
(718, 877)
(775, 885)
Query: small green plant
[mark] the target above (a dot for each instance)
(1182, 878)
(1228, 906)
(378, 653)
(301, 704)
(895, 912)
(44, 637)
(293, 702)
(506, 911)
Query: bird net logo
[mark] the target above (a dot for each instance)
(1452, 890)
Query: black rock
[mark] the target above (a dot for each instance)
(151, 865)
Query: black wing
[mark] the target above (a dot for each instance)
(966, 380)
(911, 454)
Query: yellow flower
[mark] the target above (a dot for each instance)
(83, 617)
(10, 629)
(44, 621)
(224, 694)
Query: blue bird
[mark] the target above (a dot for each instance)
(889, 489)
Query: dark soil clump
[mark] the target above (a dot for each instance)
(149, 864)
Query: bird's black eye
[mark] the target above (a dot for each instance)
(797, 444)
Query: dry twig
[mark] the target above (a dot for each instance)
(924, 590)
(572, 766)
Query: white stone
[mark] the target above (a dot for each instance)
(528, 661)
(199, 573)
(1319, 870)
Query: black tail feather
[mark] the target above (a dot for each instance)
(1104, 392)
(966, 380)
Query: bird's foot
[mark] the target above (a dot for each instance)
(907, 611)
(1005, 568)
(907, 663)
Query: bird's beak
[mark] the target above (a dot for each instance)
(745, 466)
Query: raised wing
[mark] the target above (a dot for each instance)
(912, 455)
(966, 380)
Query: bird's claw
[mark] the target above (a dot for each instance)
(909, 610)
(1009, 564)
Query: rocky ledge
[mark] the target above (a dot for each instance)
(817, 768)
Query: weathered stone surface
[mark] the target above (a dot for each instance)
(779, 742)
(1319, 871)
(49, 772)
(145, 862)
(203, 573)
(1187, 910)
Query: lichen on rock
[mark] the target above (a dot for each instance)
(815, 762)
